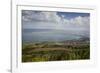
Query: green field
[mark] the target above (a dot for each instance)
(55, 51)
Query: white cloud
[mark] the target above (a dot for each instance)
(51, 20)
(80, 20)
(41, 16)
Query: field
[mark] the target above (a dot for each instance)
(56, 51)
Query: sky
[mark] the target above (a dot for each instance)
(55, 20)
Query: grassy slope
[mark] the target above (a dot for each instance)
(52, 51)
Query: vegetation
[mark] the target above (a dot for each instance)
(55, 51)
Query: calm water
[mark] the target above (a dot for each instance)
(40, 35)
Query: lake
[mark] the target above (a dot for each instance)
(41, 35)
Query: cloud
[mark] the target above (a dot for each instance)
(51, 20)
(40, 16)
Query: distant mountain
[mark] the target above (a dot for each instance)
(84, 39)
